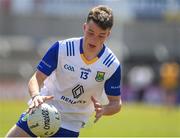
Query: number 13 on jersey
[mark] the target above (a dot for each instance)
(84, 75)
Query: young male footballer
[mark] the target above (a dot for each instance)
(73, 74)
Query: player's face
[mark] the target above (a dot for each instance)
(94, 36)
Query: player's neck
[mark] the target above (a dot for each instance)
(90, 54)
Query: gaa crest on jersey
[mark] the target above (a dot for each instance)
(100, 76)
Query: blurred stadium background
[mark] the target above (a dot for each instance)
(145, 38)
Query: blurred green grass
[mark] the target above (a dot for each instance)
(134, 120)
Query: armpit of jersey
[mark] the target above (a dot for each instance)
(112, 85)
(49, 62)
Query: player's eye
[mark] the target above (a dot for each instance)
(101, 36)
(90, 33)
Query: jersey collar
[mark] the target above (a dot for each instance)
(93, 60)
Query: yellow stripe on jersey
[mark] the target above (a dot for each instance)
(87, 61)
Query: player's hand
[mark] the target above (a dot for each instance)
(98, 109)
(37, 101)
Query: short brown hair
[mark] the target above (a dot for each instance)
(102, 16)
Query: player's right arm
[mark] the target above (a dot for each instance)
(34, 86)
(46, 66)
(35, 83)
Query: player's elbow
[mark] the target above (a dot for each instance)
(118, 107)
(114, 105)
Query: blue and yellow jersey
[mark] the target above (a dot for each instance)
(72, 79)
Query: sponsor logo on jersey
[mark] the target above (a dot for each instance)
(45, 63)
(69, 67)
(115, 87)
(72, 101)
(100, 76)
(77, 91)
(84, 69)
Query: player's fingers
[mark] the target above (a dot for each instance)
(97, 117)
(98, 109)
(28, 110)
(31, 106)
(97, 105)
(96, 120)
(40, 100)
(48, 98)
(36, 103)
(93, 99)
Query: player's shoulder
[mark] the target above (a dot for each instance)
(69, 47)
(109, 59)
(69, 41)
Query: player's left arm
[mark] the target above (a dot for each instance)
(113, 107)
(112, 89)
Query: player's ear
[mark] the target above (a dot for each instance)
(109, 32)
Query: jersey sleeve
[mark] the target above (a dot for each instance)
(112, 85)
(49, 62)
